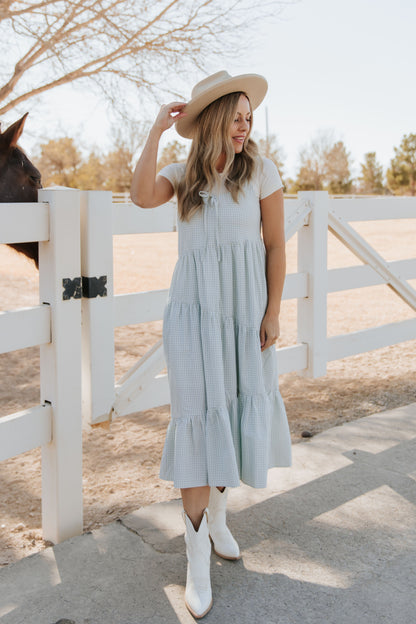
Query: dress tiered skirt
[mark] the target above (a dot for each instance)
(228, 420)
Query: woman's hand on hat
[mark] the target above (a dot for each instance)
(169, 114)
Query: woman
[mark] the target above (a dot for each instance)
(221, 321)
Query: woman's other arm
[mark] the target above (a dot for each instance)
(273, 223)
(147, 189)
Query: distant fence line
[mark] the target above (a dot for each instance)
(123, 198)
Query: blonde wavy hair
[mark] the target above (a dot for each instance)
(211, 139)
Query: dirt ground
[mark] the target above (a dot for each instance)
(120, 470)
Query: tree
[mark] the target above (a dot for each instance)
(324, 165)
(269, 147)
(118, 168)
(59, 162)
(91, 175)
(371, 179)
(117, 43)
(313, 163)
(172, 152)
(337, 169)
(290, 186)
(401, 176)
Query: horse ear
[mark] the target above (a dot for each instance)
(12, 134)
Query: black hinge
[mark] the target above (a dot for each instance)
(94, 286)
(72, 288)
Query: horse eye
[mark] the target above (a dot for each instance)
(36, 180)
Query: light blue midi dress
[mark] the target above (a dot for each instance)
(228, 420)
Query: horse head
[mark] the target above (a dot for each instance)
(19, 178)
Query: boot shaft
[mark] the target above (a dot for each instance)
(197, 542)
(217, 505)
(224, 543)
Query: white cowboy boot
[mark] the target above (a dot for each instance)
(198, 595)
(224, 543)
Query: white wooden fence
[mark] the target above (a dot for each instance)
(55, 325)
(76, 232)
(310, 215)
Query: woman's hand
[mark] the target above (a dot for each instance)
(269, 330)
(168, 115)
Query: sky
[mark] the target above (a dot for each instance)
(331, 65)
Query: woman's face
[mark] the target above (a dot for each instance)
(240, 127)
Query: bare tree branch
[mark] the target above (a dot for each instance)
(136, 42)
(10, 9)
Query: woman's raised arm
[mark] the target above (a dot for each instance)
(147, 189)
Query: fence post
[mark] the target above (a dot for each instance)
(98, 391)
(312, 258)
(60, 365)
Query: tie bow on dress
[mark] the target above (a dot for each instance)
(211, 227)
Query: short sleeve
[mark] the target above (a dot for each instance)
(173, 172)
(270, 180)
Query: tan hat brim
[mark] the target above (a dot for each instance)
(253, 84)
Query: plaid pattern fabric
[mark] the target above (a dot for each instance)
(228, 421)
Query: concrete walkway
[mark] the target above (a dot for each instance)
(332, 540)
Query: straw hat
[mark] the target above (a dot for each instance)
(214, 87)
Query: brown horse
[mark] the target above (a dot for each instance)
(19, 178)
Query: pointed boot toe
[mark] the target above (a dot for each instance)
(198, 593)
(198, 602)
(225, 545)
